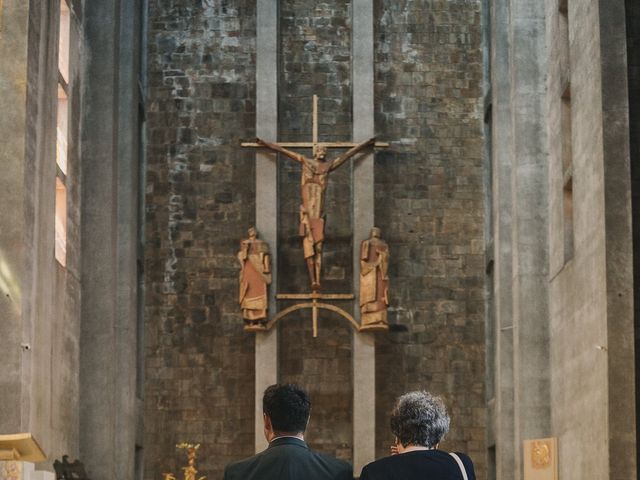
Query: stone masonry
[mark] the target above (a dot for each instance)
(200, 200)
(429, 205)
(316, 59)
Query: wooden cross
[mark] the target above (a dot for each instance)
(313, 299)
(314, 143)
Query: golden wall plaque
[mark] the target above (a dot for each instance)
(541, 459)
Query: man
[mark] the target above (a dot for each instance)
(313, 184)
(286, 414)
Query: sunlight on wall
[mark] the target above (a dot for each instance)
(9, 285)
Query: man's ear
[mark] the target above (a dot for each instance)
(268, 427)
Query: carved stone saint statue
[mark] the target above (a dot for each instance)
(313, 184)
(374, 282)
(255, 276)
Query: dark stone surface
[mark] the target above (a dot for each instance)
(200, 202)
(315, 43)
(429, 191)
(633, 66)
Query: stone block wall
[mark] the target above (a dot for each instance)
(199, 203)
(315, 45)
(200, 200)
(429, 190)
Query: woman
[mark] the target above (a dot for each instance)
(419, 421)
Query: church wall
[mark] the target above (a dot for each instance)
(69, 379)
(578, 303)
(56, 295)
(590, 310)
(429, 204)
(620, 320)
(13, 42)
(200, 190)
(589, 300)
(43, 336)
(315, 46)
(633, 67)
(200, 201)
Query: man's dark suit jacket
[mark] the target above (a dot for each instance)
(288, 458)
(418, 465)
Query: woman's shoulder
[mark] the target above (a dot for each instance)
(463, 456)
(386, 462)
(419, 462)
(468, 464)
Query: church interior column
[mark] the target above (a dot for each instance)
(503, 293)
(529, 227)
(110, 162)
(364, 393)
(266, 356)
(619, 237)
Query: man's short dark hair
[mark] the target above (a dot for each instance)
(288, 407)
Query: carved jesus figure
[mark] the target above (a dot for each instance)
(313, 184)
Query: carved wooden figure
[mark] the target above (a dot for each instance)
(255, 277)
(374, 282)
(313, 184)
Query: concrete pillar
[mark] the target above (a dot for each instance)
(529, 224)
(363, 354)
(99, 335)
(128, 168)
(266, 355)
(14, 395)
(619, 237)
(503, 294)
(109, 238)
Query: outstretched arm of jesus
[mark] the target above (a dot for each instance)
(351, 152)
(277, 148)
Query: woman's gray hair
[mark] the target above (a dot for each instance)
(419, 418)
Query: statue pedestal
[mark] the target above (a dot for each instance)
(16, 470)
(17, 452)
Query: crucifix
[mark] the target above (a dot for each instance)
(313, 182)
